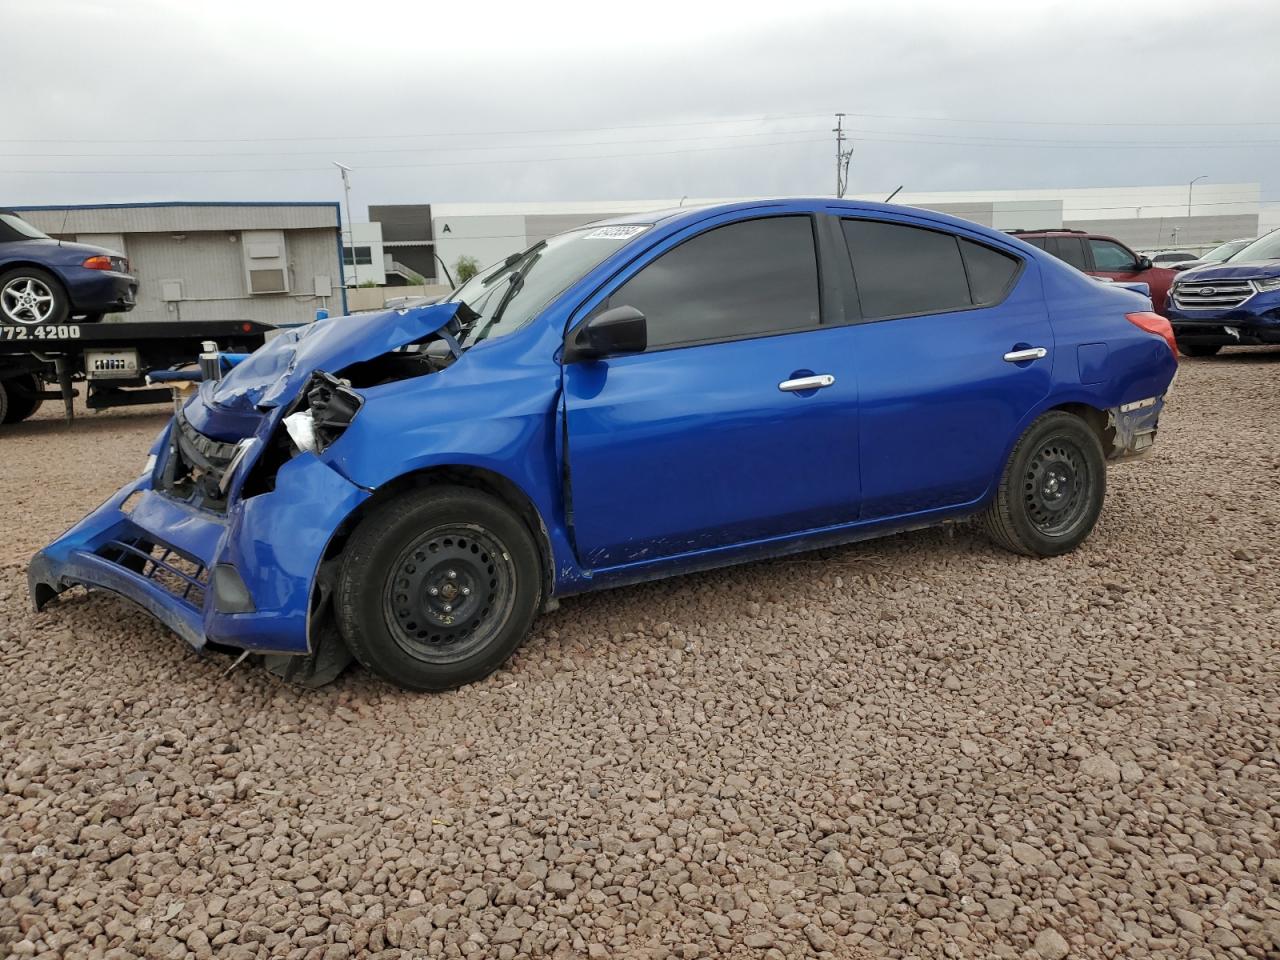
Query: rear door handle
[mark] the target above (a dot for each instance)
(1031, 353)
(815, 382)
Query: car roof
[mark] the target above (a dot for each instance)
(676, 217)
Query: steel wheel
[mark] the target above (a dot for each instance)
(27, 299)
(1052, 488)
(449, 592)
(1055, 486)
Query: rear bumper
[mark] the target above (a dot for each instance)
(101, 291)
(159, 553)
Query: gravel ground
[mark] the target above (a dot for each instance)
(914, 747)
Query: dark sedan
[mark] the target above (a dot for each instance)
(43, 280)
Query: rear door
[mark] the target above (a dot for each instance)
(714, 436)
(954, 351)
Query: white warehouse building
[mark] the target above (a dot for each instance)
(1145, 218)
(270, 262)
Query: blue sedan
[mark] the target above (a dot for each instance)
(43, 280)
(626, 401)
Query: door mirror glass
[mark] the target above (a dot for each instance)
(617, 330)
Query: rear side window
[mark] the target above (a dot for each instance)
(753, 278)
(990, 272)
(903, 270)
(1070, 249)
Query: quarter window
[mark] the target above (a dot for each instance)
(753, 278)
(990, 272)
(1109, 255)
(903, 270)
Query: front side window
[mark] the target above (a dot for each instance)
(1109, 255)
(752, 278)
(902, 270)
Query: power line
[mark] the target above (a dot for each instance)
(409, 136)
(1073, 123)
(416, 166)
(358, 150)
(397, 135)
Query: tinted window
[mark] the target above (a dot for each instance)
(1070, 249)
(744, 279)
(903, 270)
(1109, 255)
(990, 272)
(1035, 241)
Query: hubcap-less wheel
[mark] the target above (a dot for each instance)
(449, 592)
(27, 300)
(1055, 487)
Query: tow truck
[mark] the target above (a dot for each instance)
(44, 361)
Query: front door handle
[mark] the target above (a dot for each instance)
(1031, 353)
(815, 382)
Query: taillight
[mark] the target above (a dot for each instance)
(97, 263)
(1154, 323)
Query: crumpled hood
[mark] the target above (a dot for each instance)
(271, 377)
(1249, 270)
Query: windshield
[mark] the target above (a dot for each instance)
(509, 294)
(11, 224)
(1226, 251)
(1264, 248)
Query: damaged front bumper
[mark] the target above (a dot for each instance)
(244, 578)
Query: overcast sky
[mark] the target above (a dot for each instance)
(434, 102)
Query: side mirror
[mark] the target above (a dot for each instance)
(617, 330)
(1144, 263)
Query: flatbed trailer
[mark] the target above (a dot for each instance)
(44, 361)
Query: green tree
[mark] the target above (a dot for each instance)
(465, 267)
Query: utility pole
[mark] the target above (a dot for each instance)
(842, 157)
(1190, 186)
(351, 236)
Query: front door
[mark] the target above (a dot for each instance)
(739, 422)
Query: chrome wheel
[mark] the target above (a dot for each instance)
(27, 300)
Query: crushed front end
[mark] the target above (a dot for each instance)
(213, 566)
(223, 537)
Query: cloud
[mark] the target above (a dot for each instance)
(141, 100)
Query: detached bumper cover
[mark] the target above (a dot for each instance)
(159, 553)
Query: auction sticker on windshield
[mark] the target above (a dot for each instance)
(623, 232)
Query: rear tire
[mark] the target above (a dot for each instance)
(29, 295)
(1052, 488)
(438, 587)
(1199, 349)
(23, 398)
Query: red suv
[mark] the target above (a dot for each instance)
(1101, 256)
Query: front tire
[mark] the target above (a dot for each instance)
(1052, 489)
(1199, 349)
(29, 296)
(438, 587)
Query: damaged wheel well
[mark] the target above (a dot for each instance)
(1098, 422)
(495, 484)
